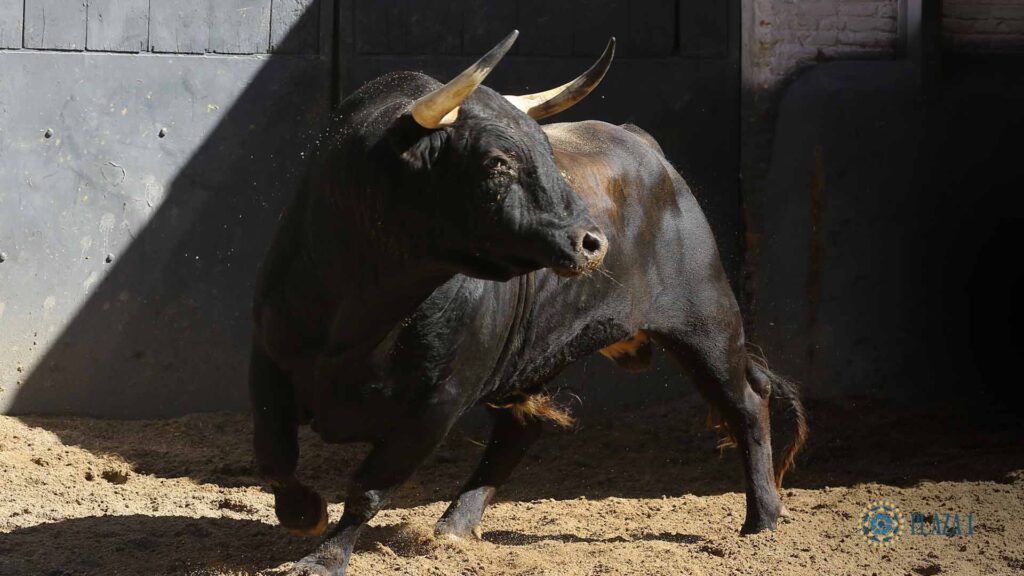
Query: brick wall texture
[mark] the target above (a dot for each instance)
(983, 25)
(791, 33)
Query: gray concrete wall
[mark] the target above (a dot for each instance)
(139, 190)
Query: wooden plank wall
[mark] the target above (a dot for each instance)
(164, 26)
(118, 25)
(643, 28)
(55, 24)
(12, 14)
(180, 27)
(284, 16)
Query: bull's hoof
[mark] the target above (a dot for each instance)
(310, 568)
(301, 510)
(762, 515)
(452, 528)
(462, 518)
(756, 525)
(318, 528)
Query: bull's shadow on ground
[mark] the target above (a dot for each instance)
(642, 451)
(510, 538)
(200, 546)
(172, 545)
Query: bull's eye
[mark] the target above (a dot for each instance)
(498, 166)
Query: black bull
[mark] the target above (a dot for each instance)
(422, 271)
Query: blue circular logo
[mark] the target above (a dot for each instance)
(881, 523)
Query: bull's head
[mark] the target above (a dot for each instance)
(505, 208)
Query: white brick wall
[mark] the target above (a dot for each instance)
(983, 25)
(791, 33)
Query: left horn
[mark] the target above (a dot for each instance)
(441, 107)
(550, 102)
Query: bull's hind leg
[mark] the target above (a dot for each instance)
(510, 439)
(711, 349)
(275, 440)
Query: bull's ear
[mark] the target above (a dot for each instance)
(423, 154)
(418, 148)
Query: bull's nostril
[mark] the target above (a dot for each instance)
(591, 243)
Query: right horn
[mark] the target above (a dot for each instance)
(441, 107)
(550, 102)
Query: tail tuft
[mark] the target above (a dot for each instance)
(785, 395)
(726, 439)
(541, 406)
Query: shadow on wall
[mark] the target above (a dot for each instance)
(886, 263)
(171, 319)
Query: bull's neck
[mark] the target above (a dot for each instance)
(380, 298)
(372, 284)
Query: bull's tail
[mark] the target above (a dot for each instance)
(539, 406)
(785, 402)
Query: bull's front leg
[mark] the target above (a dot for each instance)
(275, 443)
(510, 439)
(390, 463)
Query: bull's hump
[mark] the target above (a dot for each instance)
(584, 144)
(586, 154)
(608, 166)
(590, 137)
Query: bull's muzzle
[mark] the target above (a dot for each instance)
(589, 247)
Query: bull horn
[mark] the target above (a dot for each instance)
(550, 102)
(441, 107)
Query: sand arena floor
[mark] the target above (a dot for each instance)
(643, 491)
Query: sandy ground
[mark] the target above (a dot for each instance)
(643, 492)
